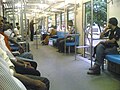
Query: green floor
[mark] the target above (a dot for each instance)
(65, 73)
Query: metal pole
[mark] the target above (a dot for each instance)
(25, 18)
(37, 37)
(75, 11)
(13, 11)
(26, 36)
(65, 20)
(21, 18)
(91, 44)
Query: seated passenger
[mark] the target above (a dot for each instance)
(60, 42)
(52, 33)
(33, 82)
(21, 49)
(36, 82)
(20, 66)
(26, 80)
(108, 47)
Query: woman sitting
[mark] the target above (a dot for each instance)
(52, 33)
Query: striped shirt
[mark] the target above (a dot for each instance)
(7, 81)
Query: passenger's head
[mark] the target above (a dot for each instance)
(32, 21)
(55, 27)
(113, 22)
(70, 23)
(17, 24)
(52, 26)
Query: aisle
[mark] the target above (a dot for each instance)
(66, 74)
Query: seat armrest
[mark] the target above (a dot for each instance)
(15, 53)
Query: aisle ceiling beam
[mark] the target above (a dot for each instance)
(53, 7)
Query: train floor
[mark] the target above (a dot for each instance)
(66, 73)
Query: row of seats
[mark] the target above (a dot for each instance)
(113, 60)
(61, 34)
(23, 65)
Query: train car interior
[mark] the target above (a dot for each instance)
(59, 45)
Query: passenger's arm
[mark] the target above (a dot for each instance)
(103, 33)
(110, 41)
(32, 62)
(22, 64)
(16, 43)
(17, 64)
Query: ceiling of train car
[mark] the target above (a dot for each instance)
(36, 6)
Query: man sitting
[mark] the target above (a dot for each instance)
(108, 47)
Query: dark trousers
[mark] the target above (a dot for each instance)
(58, 41)
(28, 71)
(62, 43)
(31, 35)
(42, 79)
(44, 36)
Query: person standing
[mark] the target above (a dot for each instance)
(32, 30)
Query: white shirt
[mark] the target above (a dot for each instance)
(8, 81)
(4, 56)
(16, 31)
(9, 33)
(4, 47)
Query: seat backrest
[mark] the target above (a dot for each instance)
(61, 34)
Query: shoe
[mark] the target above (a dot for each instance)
(58, 51)
(93, 72)
(93, 55)
(42, 43)
(94, 67)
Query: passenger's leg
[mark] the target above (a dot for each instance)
(42, 79)
(32, 62)
(27, 55)
(32, 35)
(95, 70)
(61, 46)
(34, 84)
(103, 43)
(101, 51)
(28, 71)
(58, 41)
(46, 40)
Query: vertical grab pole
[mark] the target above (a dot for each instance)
(75, 11)
(65, 20)
(13, 12)
(91, 44)
(21, 18)
(26, 36)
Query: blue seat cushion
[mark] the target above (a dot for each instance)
(70, 44)
(14, 48)
(113, 58)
